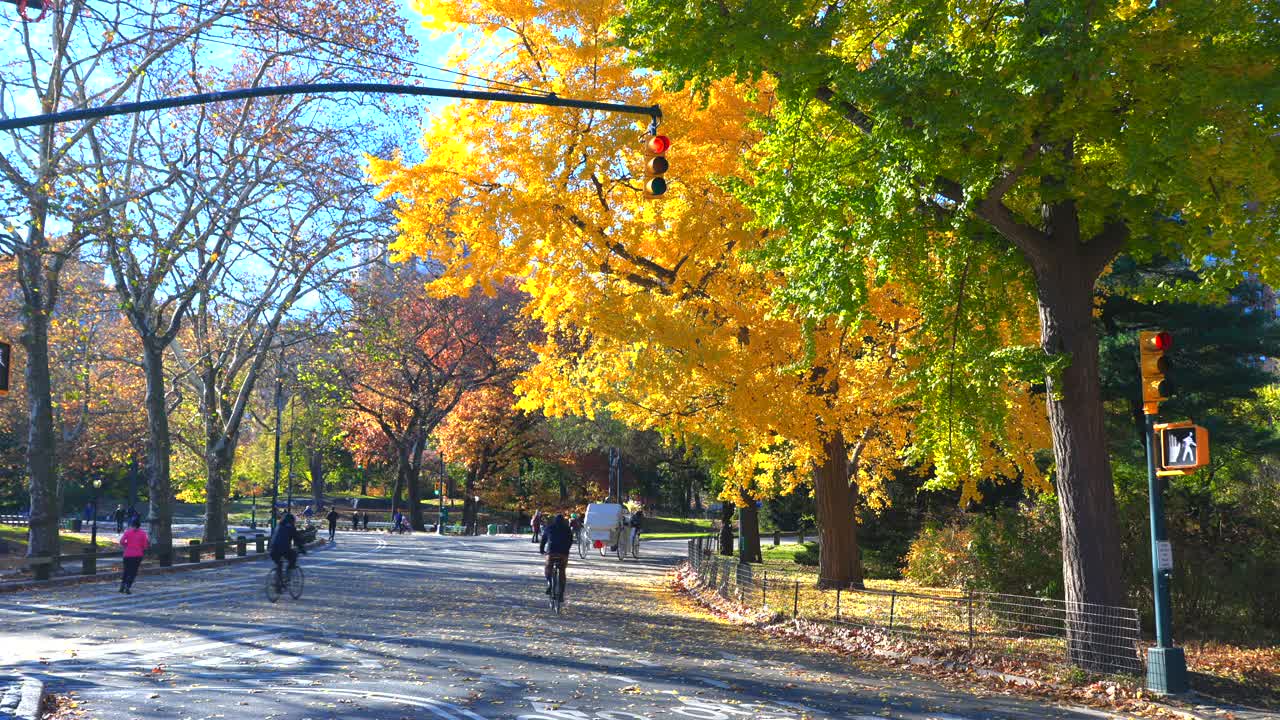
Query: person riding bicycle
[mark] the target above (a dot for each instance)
(637, 525)
(557, 541)
(282, 542)
(575, 524)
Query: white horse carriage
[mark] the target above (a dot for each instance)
(605, 529)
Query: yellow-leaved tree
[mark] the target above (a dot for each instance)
(653, 309)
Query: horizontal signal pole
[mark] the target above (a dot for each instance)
(651, 111)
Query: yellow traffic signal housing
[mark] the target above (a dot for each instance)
(656, 165)
(1182, 447)
(1153, 365)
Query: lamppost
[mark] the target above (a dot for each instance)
(93, 536)
(253, 512)
(440, 509)
(475, 521)
(275, 475)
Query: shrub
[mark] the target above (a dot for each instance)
(1010, 550)
(808, 556)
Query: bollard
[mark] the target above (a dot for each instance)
(241, 546)
(258, 541)
(893, 605)
(166, 556)
(193, 552)
(795, 607)
(89, 563)
(220, 549)
(777, 538)
(41, 570)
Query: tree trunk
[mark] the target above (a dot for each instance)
(468, 505)
(726, 529)
(412, 478)
(1091, 568)
(315, 466)
(839, 558)
(46, 498)
(218, 460)
(749, 520)
(160, 512)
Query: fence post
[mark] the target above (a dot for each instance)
(166, 555)
(795, 603)
(258, 541)
(970, 621)
(764, 590)
(893, 605)
(89, 563)
(777, 538)
(242, 548)
(838, 604)
(800, 536)
(193, 552)
(220, 550)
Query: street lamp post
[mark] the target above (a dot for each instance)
(275, 476)
(93, 536)
(475, 518)
(440, 508)
(253, 512)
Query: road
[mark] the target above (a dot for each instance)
(421, 626)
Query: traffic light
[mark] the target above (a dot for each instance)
(1154, 365)
(6, 354)
(656, 165)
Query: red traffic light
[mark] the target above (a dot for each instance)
(659, 144)
(1163, 340)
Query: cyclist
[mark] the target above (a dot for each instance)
(282, 542)
(575, 524)
(557, 541)
(637, 524)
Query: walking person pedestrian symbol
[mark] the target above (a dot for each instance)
(1184, 447)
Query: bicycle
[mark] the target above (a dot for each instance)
(292, 582)
(635, 544)
(583, 543)
(557, 591)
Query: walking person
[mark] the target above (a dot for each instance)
(355, 521)
(332, 517)
(118, 516)
(135, 543)
(536, 523)
(364, 521)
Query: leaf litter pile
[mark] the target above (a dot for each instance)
(955, 667)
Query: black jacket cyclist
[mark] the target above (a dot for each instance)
(282, 541)
(557, 541)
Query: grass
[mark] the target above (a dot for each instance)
(15, 536)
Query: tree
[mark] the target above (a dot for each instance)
(485, 433)
(658, 312)
(90, 59)
(1049, 136)
(405, 360)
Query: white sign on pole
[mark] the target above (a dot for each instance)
(1164, 555)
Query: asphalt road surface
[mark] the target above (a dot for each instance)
(419, 626)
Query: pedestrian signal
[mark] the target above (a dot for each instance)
(1183, 447)
(1154, 365)
(656, 165)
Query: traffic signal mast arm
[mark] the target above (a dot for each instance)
(650, 111)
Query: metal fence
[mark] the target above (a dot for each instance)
(1099, 638)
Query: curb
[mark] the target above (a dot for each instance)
(22, 700)
(73, 580)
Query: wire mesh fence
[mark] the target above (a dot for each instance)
(1099, 638)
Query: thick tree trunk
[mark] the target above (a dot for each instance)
(839, 558)
(726, 529)
(218, 460)
(412, 478)
(1091, 567)
(315, 466)
(160, 513)
(46, 495)
(749, 519)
